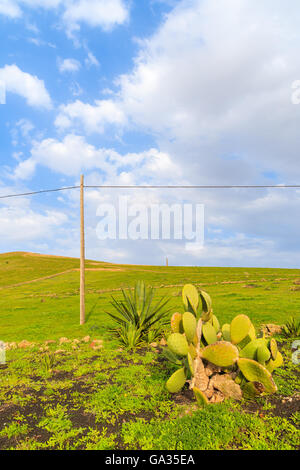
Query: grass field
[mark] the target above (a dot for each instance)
(115, 399)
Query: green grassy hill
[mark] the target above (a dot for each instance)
(40, 293)
(67, 395)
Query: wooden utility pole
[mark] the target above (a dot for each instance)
(82, 254)
(167, 262)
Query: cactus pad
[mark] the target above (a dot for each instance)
(190, 297)
(206, 301)
(209, 333)
(239, 328)
(255, 372)
(249, 351)
(252, 389)
(271, 365)
(200, 397)
(215, 323)
(189, 323)
(226, 332)
(190, 363)
(176, 381)
(178, 344)
(263, 354)
(222, 354)
(273, 348)
(192, 351)
(176, 323)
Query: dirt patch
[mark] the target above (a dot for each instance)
(29, 253)
(284, 407)
(101, 269)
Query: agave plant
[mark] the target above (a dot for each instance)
(138, 317)
(291, 329)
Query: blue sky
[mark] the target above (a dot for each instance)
(160, 92)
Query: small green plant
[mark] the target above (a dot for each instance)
(139, 318)
(218, 362)
(48, 361)
(291, 329)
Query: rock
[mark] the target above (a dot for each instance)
(86, 339)
(50, 341)
(271, 329)
(210, 390)
(96, 344)
(217, 397)
(76, 341)
(154, 345)
(64, 340)
(9, 346)
(200, 379)
(163, 342)
(59, 351)
(227, 386)
(25, 344)
(211, 369)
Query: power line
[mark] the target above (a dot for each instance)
(39, 192)
(295, 186)
(194, 186)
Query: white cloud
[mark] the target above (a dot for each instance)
(68, 65)
(10, 9)
(73, 155)
(25, 126)
(28, 86)
(95, 13)
(91, 60)
(24, 224)
(215, 80)
(93, 118)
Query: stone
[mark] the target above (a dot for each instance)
(163, 342)
(211, 369)
(227, 386)
(64, 340)
(200, 379)
(50, 341)
(96, 344)
(217, 397)
(271, 329)
(210, 390)
(86, 339)
(25, 344)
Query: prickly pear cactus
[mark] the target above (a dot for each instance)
(218, 362)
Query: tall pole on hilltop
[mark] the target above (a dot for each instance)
(82, 254)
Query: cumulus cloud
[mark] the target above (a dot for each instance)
(10, 9)
(24, 224)
(94, 13)
(26, 85)
(74, 154)
(216, 80)
(93, 118)
(68, 65)
(91, 60)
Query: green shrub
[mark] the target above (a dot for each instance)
(291, 329)
(139, 318)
